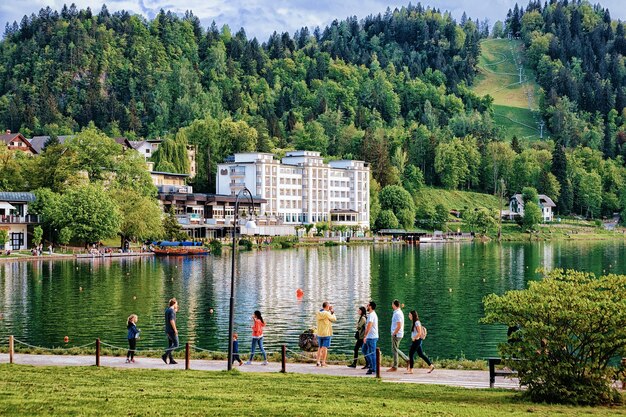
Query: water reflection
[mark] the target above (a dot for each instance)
(41, 302)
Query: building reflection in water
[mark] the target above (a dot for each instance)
(43, 301)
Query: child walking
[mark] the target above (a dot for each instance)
(257, 336)
(236, 357)
(133, 335)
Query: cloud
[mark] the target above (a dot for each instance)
(262, 17)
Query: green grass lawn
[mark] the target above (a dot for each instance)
(498, 77)
(554, 231)
(81, 391)
(456, 199)
(517, 121)
(581, 231)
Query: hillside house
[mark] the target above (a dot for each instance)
(17, 141)
(516, 207)
(16, 220)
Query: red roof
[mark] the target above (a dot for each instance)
(7, 138)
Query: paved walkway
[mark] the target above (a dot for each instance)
(456, 378)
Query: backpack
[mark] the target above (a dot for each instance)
(424, 332)
(308, 341)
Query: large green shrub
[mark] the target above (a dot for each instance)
(246, 244)
(572, 325)
(215, 246)
(395, 198)
(4, 238)
(481, 220)
(387, 220)
(37, 235)
(285, 242)
(532, 217)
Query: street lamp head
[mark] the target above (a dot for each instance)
(250, 224)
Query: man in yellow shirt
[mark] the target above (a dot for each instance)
(325, 317)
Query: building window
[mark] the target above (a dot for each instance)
(17, 240)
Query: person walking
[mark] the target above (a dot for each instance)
(397, 333)
(236, 357)
(257, 336)
(417, 335)
(133, 335)
(370, 338)
(325, 318)
(171, 331)
(358, 335)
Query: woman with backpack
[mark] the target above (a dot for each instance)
(418, 333)
(358, 334)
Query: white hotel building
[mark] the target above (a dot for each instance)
(301, 188)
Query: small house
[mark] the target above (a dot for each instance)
(516, 207)
(17, 141)
(15, 219)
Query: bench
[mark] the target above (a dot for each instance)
(493, 372)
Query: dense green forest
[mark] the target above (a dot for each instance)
(578, 53)
(391, 89)
(340, 90)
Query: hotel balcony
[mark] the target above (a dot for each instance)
(28, 219)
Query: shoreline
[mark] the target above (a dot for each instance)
(333, 243)
(56, 257)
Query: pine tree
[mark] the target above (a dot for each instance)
(516, 145)
(559, 169)
(171, 227)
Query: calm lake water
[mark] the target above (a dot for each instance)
(41, 302)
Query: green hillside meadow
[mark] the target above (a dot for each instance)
(499, 77)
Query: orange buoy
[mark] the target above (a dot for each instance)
(66, 339)
(299, 293)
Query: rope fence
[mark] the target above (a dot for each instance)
(57, 349)
(294, 355)
(338, 362)
(126, 349)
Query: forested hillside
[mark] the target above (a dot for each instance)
(321, 90)
(578, 52)
(392, 89)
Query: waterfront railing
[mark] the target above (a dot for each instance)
(284, 352)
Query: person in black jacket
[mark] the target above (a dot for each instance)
(358, 334)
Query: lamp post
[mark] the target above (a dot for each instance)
(231, 316)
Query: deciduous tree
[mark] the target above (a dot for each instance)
(571, 326)
(89, 213)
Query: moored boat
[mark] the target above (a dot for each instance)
(179, 248)
(172, 251)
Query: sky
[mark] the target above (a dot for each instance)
(262, 17)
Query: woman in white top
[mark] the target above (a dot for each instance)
(417, 335)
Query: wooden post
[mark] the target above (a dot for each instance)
(97, 352)
(283, 367)
(11, 349)
(377, 362)
(492, 371)
(187, 356)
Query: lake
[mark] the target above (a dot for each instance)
(41, 302)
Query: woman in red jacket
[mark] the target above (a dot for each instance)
(257, 336)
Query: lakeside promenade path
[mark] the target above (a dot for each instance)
(454, 378)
